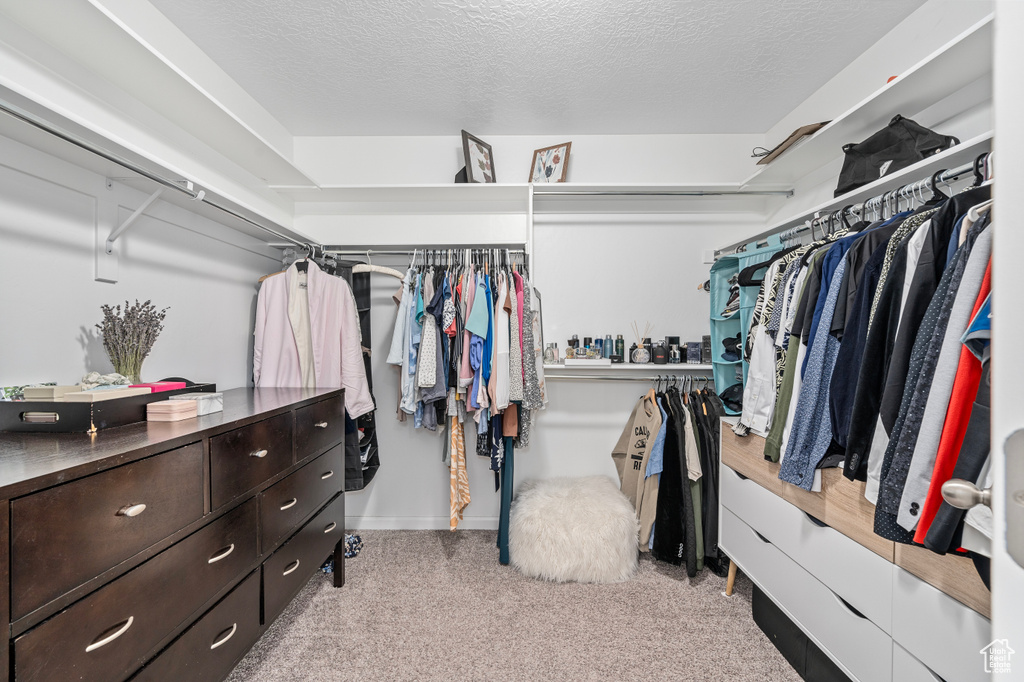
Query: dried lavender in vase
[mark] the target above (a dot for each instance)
(129, 336)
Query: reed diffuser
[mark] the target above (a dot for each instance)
(641, 356)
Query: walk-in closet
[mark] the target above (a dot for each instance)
(511, 341)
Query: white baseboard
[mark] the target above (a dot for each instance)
(355, 523)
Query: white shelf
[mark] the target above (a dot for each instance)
(964, 60)
(629, 367)
(570, 197)
(959, 155)
(465, 198)
(514, 198)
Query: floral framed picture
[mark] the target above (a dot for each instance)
(479, 159)
(550, 164)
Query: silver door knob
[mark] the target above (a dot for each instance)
(964, 494)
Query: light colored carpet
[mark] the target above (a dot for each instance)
(435, 605)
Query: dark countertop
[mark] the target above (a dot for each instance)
(33, 461)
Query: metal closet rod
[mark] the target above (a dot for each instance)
(611, 377)
(945, 177)
(409, 250)
(662, 193)
(182, 186)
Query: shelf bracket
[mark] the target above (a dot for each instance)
(123, 227)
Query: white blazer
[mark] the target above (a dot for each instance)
(330, 328)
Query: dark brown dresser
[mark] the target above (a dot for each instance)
(161, 552)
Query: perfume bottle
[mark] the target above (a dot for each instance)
(660, 354)
(675, 357)
(549, 354)
(609, 346)
(620, 346)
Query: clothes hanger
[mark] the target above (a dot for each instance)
(937, 196)
(978, 175)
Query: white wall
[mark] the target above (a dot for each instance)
(596, 274)
(49, 301)
(654, 159)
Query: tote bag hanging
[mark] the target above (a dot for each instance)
(900, 144)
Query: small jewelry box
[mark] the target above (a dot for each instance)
(206, 403)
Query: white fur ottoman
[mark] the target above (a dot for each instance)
(573, 529)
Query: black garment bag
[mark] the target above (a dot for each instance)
(900, 144)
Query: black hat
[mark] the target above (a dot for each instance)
(732, 397)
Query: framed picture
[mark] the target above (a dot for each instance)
(479, 159)
(550, 164)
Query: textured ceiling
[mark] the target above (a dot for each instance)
(500, 67)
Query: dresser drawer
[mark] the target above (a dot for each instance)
(319, 426)
(906, 668)
(242, 459)
(288, 502)
(69, 534)
(289, 568)
(852, 571)
(939, 631)
(108, 634)
(857, 644)
(209, 650)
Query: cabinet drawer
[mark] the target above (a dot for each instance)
(857, 644)
(319, 426)
(289, 568)
(852, 571)
(287, 502)
(108, 634)
(209, 650)
(906, 668)
(69, 534)
(242, 459)
(939, 631)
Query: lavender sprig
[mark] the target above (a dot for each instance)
(128, 337)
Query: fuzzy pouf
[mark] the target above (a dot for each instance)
(573, 529)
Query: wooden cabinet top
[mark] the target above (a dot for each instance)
(32, 461)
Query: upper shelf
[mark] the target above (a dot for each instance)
(964, 60)
(959, 155)
(547, 198)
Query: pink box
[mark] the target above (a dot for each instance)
(161, 386)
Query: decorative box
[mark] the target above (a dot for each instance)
(162, 386)
(206, 403)
(82, 417)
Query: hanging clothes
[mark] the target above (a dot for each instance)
(631, 454)
(872, 335)
(467, 339)
(307, 335)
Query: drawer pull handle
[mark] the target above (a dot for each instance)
(761, 537)
(325, 476)
(40, 417)
(846, 605)
(223, 554)
(331, 526)
(740, 476)
(120, 630)
(292, 567)
(224, 640)
(259, 453)
(321, 425)
(816, 521)
(289, 504)
(131, 510)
